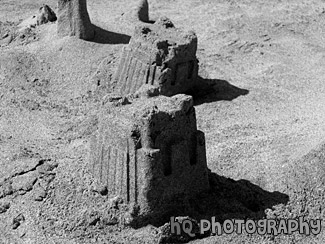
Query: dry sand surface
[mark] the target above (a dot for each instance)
(263, 119)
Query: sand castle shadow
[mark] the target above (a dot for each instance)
(107, 37)
(211, 90)
(240, 199)
(226, 199)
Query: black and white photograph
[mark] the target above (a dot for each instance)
(162, 121)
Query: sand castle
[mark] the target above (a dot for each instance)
(148, 150)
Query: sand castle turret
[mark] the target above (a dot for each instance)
(159, 55)
(149, 152)
(142, 11)
(73, 19)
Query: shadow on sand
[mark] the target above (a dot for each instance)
(107, 37)
(226, 199)
(211, 90)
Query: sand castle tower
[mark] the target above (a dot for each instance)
(73, 19)
(142, 11)
(150, 152)
(160, 55)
